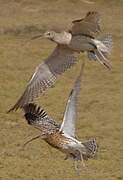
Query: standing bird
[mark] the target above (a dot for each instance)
(81, 38)
(62, 137)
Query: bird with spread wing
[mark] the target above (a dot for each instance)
(62, 137)
(81, 38)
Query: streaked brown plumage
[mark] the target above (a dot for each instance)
(62, 137)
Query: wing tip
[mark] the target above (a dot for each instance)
(13, 108)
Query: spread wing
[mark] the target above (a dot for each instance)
(46, 74)
(70, 115)
(90, 25)
(37, 117)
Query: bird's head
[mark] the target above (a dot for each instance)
(58, 37)
(49, 35)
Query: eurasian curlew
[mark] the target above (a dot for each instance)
(81, 38)
(62, 137)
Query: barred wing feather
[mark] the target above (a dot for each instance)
(46, 74)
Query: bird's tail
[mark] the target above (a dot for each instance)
(33, 113)
(91, 149)
(103, 49)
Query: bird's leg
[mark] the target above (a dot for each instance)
(79, 163)
(76, 167)
(99, 60)
(82, 160)
(105, 59)
(104, 62)
(66, 157)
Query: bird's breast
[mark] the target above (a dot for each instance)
(57, 140)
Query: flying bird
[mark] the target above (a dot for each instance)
(62, 137)
(82, 37)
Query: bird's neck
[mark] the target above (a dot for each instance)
(63, 38)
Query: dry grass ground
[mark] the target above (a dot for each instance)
(101, 99)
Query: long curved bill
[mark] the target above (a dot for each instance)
(30, 140)
(88, 2)
(36, 37)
